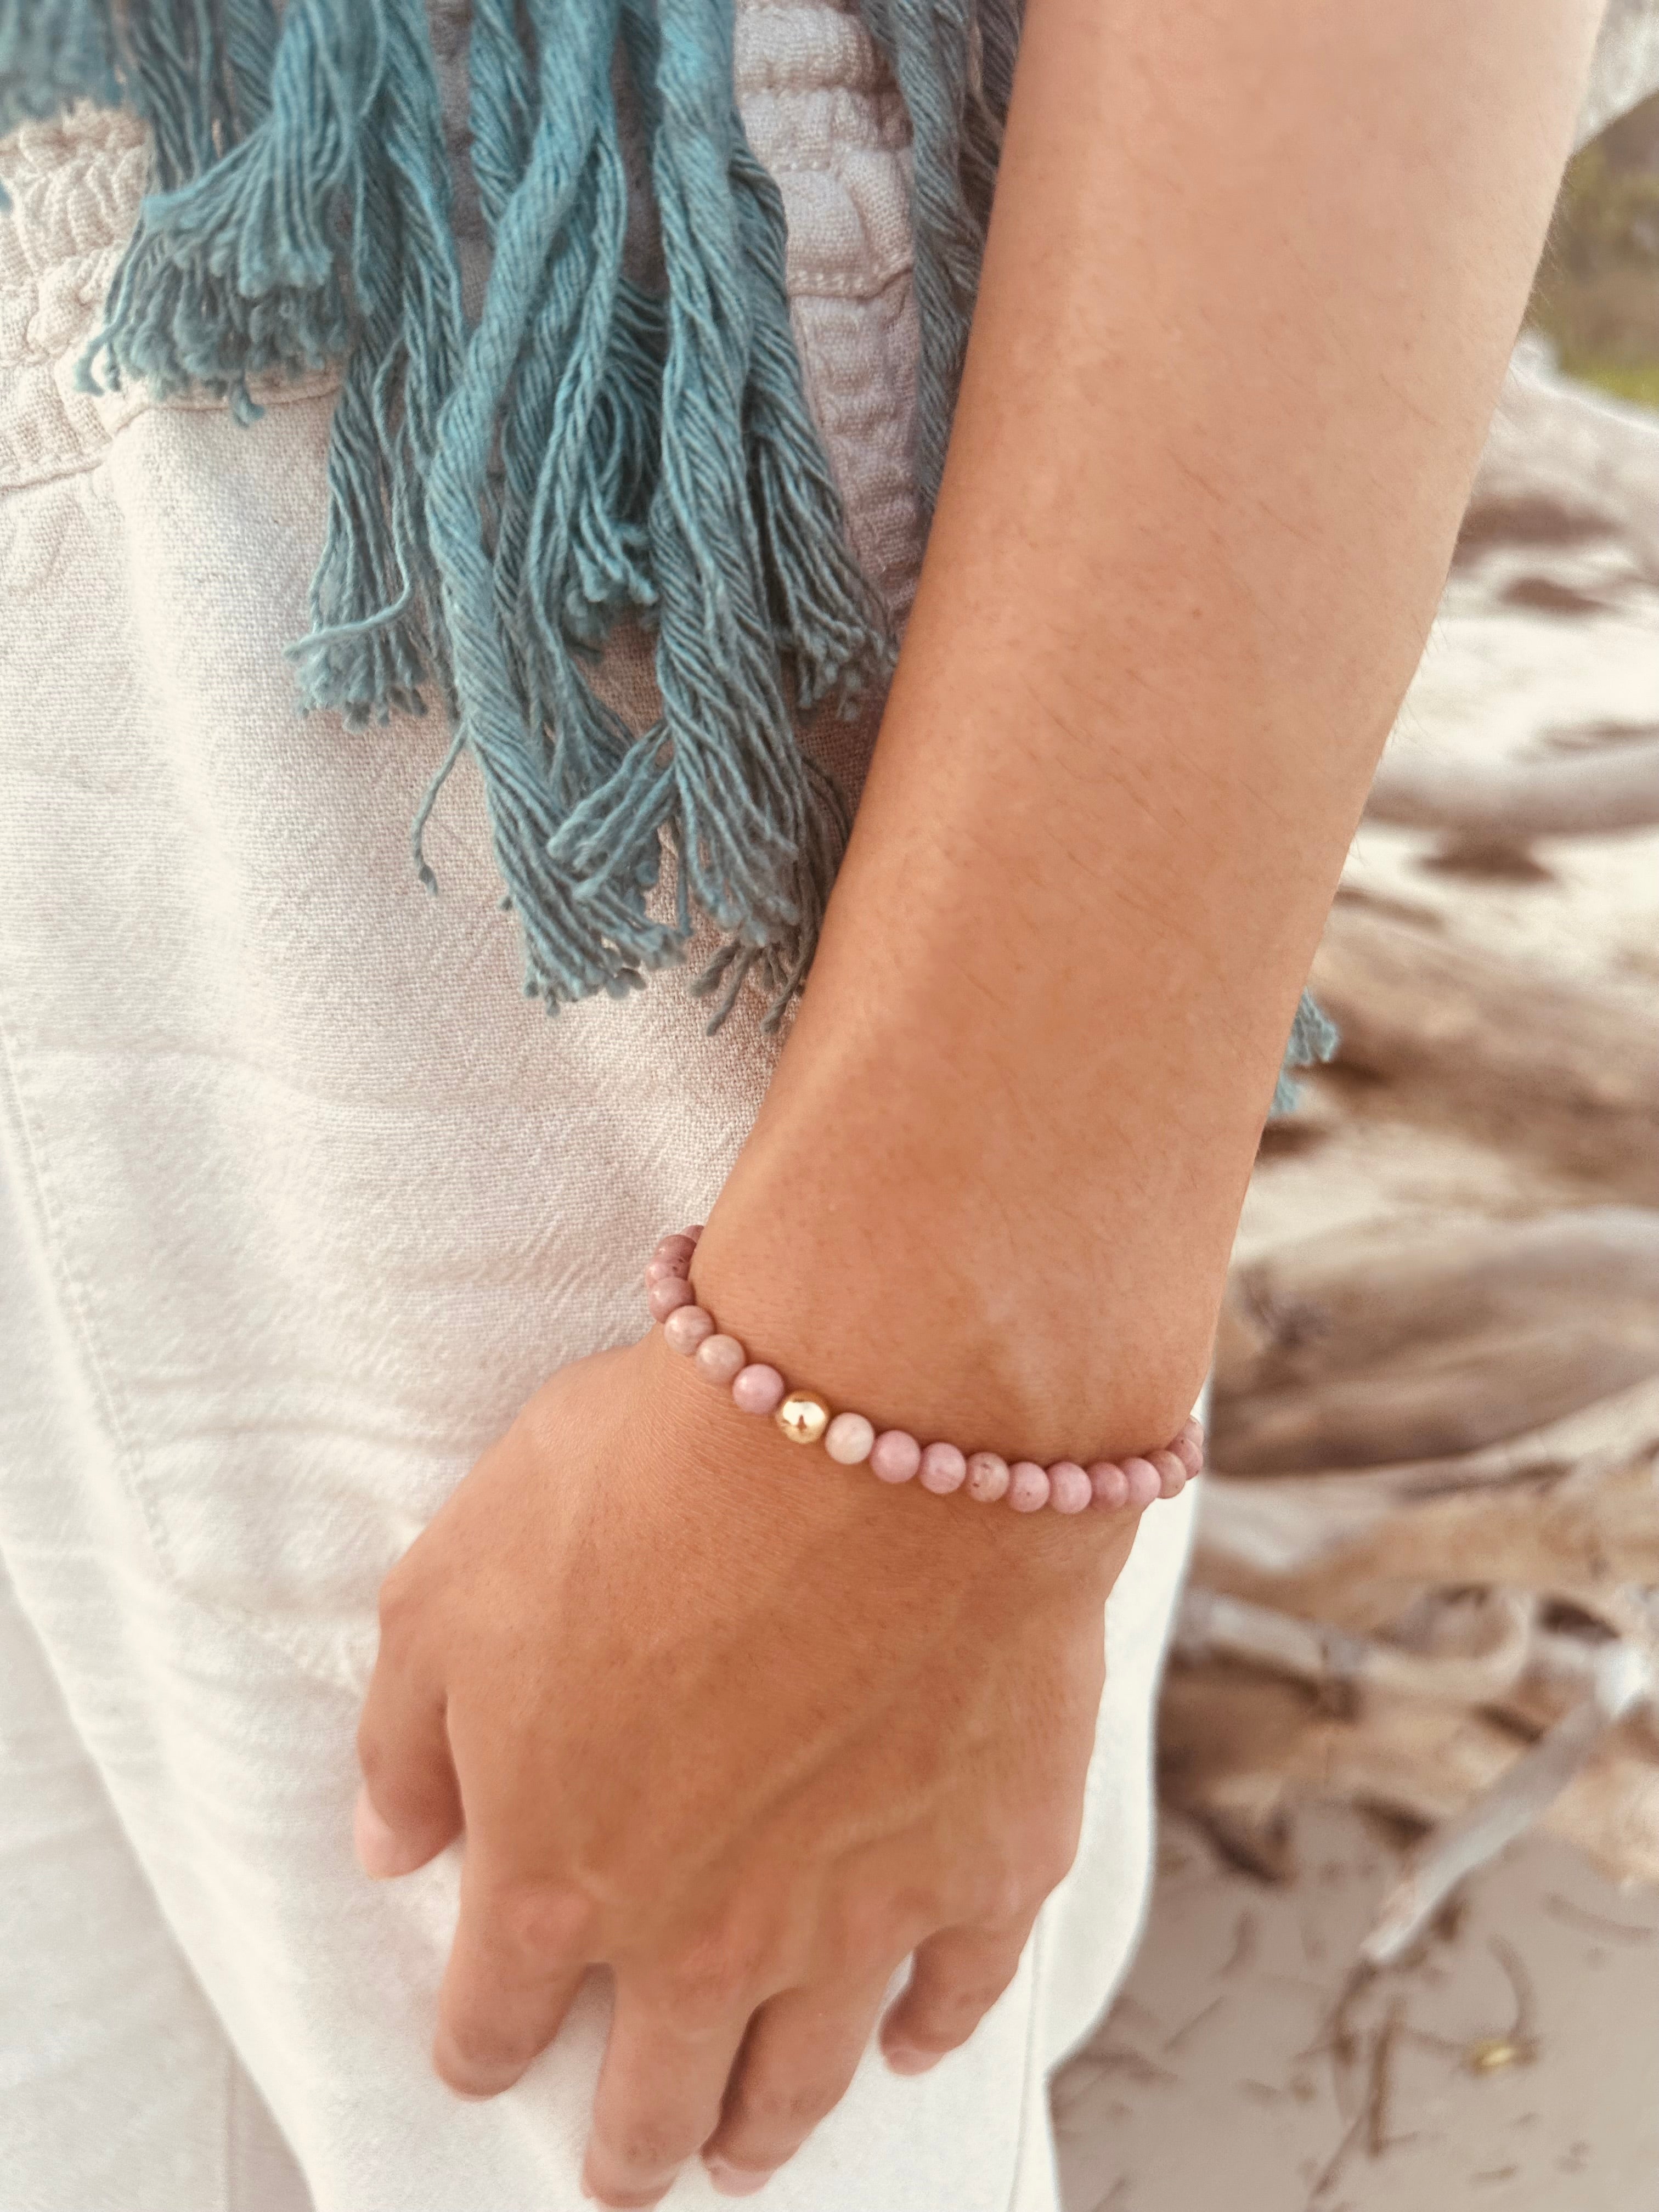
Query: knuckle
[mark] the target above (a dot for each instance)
(648, 2143)
(786, 2107)
(1005, 1902)
(397, 1608)
(1051, 1863)
(886, 1927)
(371, 1751)
(538, 1921)
(705, 1984)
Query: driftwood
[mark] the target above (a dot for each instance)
(1428, 1582)
(1525, 1060)
(1562, 465)
(1598, 1683)
(1520, 1796)
(1509, 802)
(1270, 1528)
(1587, 1542)
(1407, 1663)
(1407, 1340)
(1626, 69)
(1212, 1625)
(1238, 1751)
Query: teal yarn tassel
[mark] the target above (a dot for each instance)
(233, 271)
(929, 45)
(550, 419)
(53, 53)
(551, 229)
(826, 618)
(1314, 1037)
(377, 639)
(756, 835)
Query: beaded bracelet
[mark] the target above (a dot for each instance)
(894, 1454)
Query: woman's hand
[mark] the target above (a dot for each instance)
(747, 1727)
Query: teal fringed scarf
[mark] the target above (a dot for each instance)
(502, 491)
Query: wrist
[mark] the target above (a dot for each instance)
(773, 1510)
(953, 1310)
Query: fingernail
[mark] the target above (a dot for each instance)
(738, 2180)
(905, 2058)
(375, 1842)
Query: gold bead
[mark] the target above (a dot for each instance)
(803, 1417)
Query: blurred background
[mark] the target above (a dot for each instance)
(1404, 1943)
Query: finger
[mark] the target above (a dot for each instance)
(801, 2051)
(409, 1806)
(957, 1977)
(666, 2064)
(518, 1960)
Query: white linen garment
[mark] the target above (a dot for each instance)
(300, 1199)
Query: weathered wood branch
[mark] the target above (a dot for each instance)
(1212, 1625)
(1491, 1044)
(1270, 1527)
(1514, 1803)
(1563, 464)
(1512, 801)
(1589, 1540)
(1410, 1340)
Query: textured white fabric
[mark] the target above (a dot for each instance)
(300, 1201)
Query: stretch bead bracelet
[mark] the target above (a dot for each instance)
(893, 1454)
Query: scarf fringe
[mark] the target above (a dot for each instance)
(954, 69)
(1314, 1037)
(498, 497)
(53, 53)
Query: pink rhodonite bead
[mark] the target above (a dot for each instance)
(1145, 1483)
(676, 1248)
(1069, 1488)
(722, 1358)
(668, 1295)
(1171, 1473)
(758, 1389)
(1110, 1483)
(849, 1438)
(895, 1455)
(1028, 1486)
(987, 1478)
(686, 1327)
(1189, 1447)
(660, 1271)
(943, 1469)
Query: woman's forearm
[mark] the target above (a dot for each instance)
(1252, 278)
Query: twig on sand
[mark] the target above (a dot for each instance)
(1246, 1935)
(1508, 1809)
(1519, 2045)
(1596, 1923)
(1378, 2102)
